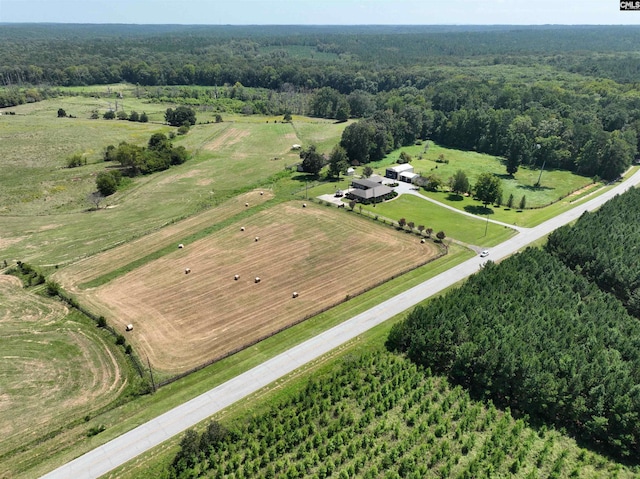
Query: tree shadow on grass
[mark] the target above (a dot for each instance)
(534, 187)
(504, 176)
(478, 210)
(304, 177)
(454, 197)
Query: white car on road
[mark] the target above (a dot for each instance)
(484, 254)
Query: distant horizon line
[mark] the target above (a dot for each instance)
(334, 24)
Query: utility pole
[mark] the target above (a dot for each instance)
(540, 175)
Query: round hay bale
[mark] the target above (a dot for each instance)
(257, 280)
(242, 228)
(187, 270)
(180, 246)
(246, 204)
(304, 205)
(261, 193)
(129, 327)
(295, 294)
(257, 238)
(422, 240)
(236, 277)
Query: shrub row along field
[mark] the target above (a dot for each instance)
(378, 415)
(324, 254)
(531, 334)
(54, 367)
(605, 247)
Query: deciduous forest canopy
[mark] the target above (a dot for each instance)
(563, 97)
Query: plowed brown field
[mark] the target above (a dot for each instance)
(183, 320)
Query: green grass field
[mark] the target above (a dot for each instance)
(44, 215)
(457, 226)
(56, 368)
(555, 184)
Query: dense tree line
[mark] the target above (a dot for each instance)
(337, 57)
(531, 334)
(604, 246)
(559, 126)
(377, 415)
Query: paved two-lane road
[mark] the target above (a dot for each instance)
(120, 450)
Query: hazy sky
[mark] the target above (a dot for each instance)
(330, 12)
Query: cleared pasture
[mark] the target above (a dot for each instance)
(182, 320)
(108, 263)
(44, 217)
(463, 228)
(54, 369)
(555, 184)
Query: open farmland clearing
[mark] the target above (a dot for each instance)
(53, 368)
(94, 267)
(183, 320)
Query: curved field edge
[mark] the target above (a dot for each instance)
(57, 368)
(133, 413)
(184, 320)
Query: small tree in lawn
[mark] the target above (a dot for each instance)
(441, 236)
(352, 204)
(96, 198)
(338, 162)
(459, 183)
(109, 115)
(312, 160)
(367, 171)
(401, 223)
(429, 232)
(134, 116)
(61, 113)
(218, 118)
(488, 188)
(144, 118)
(498, 200)
(404, 157)
(287, 117)
(523, 202)
(411, 225)
(421, 229)
(107, 182)
(510, 201)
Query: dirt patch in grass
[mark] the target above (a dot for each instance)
(6, 242)
(228, 137)
(582, 190)
(183, 320)
(176, 177)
